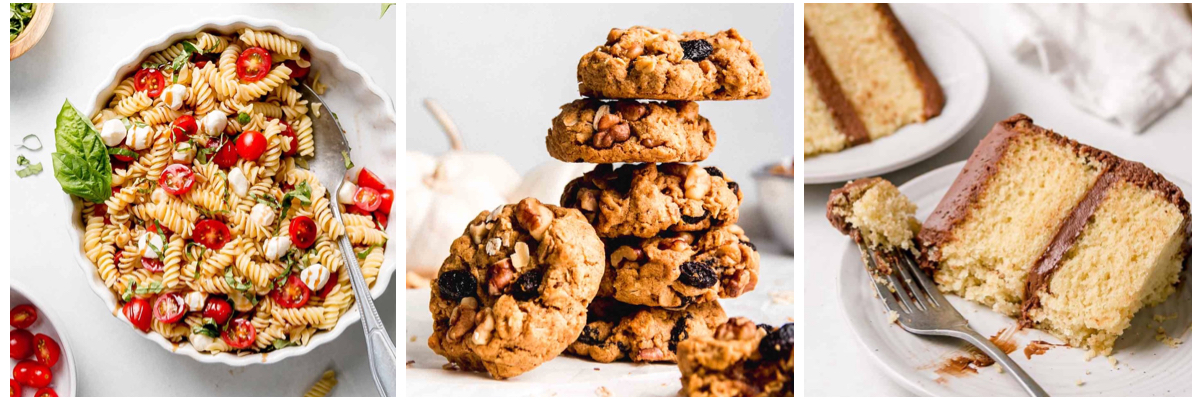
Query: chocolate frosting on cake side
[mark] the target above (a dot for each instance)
(847, 120)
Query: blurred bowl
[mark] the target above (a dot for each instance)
(778, 193)
(28, 38)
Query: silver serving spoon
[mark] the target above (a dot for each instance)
(329, 164)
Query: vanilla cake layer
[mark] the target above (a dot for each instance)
(1064, 236)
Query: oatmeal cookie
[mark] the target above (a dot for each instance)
(645, 199)
(676, 269)
(602, 132)
(617, 330)
(649, 63)
(515, 289)
(739, 360)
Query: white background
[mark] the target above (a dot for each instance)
(84, 43)
(836, 364)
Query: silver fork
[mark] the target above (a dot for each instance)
(924, 311)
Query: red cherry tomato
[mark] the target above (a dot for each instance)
(293, 144)
(367, 199)
(23, 316)
(155, 227)
(138, 311)
(225, 156)
(386, 197)
(292, 294)
(14, 388)
(177, 179)
(151, 80)
(324, 289)
(353, 209)
(46, 350)
(46, 392)
(123, 158)
(240, 334)
(251, 145)
(211, 233)
(298, 72)
(254, 64)
(32, 374)
(20, 344)
(183, 128)
(303, 231)
(366, 178)
(169, 308)
(218, 309)
(382, 219)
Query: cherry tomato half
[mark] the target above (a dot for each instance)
(211, 233)
(303, 231)
(254, 64)
(183, 128)
(218, 309)
(292, 294)
(169, 308)
(251, 145)
(382, 219)
(386, 196)
(46, 350)
(152, 264)
(138, 312)
(151, 80)
(177, 179)
(23, 316)
(46, 392)
(367, 198)
(14, 388)
(298, 72)
(366, 178)
(240, 334)
(20, 344)
(32, 374)
(225, 156)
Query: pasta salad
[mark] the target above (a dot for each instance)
(212, 231)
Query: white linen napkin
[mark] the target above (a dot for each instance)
(1127, 63)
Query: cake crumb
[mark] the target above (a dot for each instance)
(1112, 361)
(999, 369)
(603, 392)
(893, 316)
(1079, 382)
(1086, 372)
(783, 297)
(1160, 318)
(1168, 340)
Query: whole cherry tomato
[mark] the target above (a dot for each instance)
(251, 145)
(20, 344)
(183, 128)
(138, 312)
(218, 309)
(32, 374)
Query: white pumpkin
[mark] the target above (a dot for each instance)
(547, 181)
(443, 194)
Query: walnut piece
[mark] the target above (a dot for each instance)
(610, 129)
(652, 354)
(477, 232)
(483, 332)
(520, 256)
(674, 244)
(739, 328)
(697, 183)
(587, 200)
(493, 246)
(631, 110)
(462, 319)
(500, 274)
(534, 217)
(625, 253)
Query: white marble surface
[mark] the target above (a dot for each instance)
(83, 43)
(835, 363)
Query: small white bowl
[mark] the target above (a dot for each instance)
(47, 324)
(367, 114)
(777, 193)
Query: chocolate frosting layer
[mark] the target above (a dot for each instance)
(934, 98)
(849, 124)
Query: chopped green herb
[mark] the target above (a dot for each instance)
(36, 140)
(367, 252)
(386, 6)
(30, 168)
(346, 157)
(120, 151)
(19, 16)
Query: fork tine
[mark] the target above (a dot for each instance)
(884, 293)
(919, 295)
(903, 293)
(931, 289)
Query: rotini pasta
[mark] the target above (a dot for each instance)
(323, 386)
(198, 219)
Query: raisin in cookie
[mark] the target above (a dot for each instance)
(515, 289)
(676, 269)
(739, 360)
(602, 132)
(617, 330)
(649, 63)
(645, 199)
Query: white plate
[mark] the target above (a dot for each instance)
(959, 66)
(1146, 366)
(365, 112)
(64, 371)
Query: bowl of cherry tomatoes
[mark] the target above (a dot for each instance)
(40, 361)
(371, 124)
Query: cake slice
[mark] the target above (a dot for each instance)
(1066, 237)
(864, 77)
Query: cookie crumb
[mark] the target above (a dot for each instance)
(1079, 382)
(413, 338)
(595, 369)
(893, 316)
(410, 363)
(603, 392)
(451, 367)
(783, 297)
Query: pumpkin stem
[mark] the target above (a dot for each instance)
(448, 126)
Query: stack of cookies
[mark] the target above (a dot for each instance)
(668, 225)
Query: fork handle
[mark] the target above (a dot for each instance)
(1001, 357)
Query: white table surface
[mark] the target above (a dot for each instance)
(83, 44)
(835, 363)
